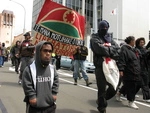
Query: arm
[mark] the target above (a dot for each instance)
(27, 84)
(122, 61)
(55, 85)
(98, 48)
(84, 51)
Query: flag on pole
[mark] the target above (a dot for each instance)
(114, 11)
(60, 25)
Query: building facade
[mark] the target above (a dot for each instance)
(126, 17)
(7, 20)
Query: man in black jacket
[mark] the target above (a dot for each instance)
(15, 53)
(99, 42)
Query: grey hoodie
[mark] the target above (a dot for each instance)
(43, 91)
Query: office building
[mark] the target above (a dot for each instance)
(126, 17)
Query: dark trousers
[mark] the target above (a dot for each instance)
(17, 62)
(101, 85)
(57, 64)
(25, 61)
(104, 93)
(130, 88)
(30, 109)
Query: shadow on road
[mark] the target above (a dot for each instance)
(68, 111)
(13, 84)
(93, 111)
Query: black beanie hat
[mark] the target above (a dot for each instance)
(103, 24)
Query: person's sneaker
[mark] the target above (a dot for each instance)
(75, 83)
(148, 101)
(118, 97)
(136, 96)
(133, 105)
(19, 82)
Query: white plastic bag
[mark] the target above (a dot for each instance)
(111, 72)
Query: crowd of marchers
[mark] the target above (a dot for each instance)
(38, 76)
(132, 58)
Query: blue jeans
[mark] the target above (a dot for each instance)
(77, 65)
(1, 60)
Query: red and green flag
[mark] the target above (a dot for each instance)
(60, 25)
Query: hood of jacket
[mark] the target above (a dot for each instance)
(38, 59)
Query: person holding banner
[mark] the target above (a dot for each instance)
(99, 42)
(26, 53)
(40, 81)
(79, 58)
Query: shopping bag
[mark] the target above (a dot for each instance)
(111, 72)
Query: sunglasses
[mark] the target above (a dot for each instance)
(46, 50)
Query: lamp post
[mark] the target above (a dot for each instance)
(24, 29)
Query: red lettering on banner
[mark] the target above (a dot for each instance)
(59, 47)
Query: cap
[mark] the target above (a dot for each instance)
(27, 34)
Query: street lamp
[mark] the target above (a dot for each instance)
(24, 29)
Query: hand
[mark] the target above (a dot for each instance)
(54, 97)
(107, 44)
(33, 101)
(121, 73)
(17, 55)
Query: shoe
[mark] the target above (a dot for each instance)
(87, 82)
(133, 105)
(80, 78)
(148, 101)
(19, 82)
(75, 81)
(136, 96)
(118, 97)
(102, 110)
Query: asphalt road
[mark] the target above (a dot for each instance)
(71, 99)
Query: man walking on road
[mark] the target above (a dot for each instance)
(26, 54)
(40, 81)
(79, 62)
(100, 50)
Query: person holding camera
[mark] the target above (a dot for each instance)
(79, 58)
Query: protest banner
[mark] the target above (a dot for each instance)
(60, 25)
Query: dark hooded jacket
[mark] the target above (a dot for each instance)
(99, 50)
(44, 90)
(129, 63)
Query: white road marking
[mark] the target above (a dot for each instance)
(70, 75)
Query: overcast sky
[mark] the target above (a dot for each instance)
(19, 13)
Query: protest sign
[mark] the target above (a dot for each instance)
(60, 25)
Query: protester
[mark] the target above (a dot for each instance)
(53, 59)
(12, 57)
(40, 81)
(1, 56)
(98, 45)
(140, 42)
(130, 70)
(26, 54)
(15, 52)
(4, 53)
(58, 58)
(79, 58)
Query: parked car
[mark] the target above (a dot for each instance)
(89, 66)
(65, 62)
